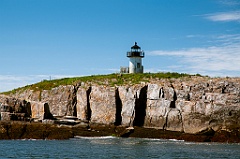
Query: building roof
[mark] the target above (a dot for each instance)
(135, 51)
(135, 46)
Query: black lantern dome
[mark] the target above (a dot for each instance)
(135, 51)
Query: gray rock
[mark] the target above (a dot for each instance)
(103, 105)
(189, 104)
(60, 100)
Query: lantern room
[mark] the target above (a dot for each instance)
(135, 59)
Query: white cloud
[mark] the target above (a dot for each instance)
(229, 2)
(195, 36)
(9, 82)
(221, 60)
(224, 16)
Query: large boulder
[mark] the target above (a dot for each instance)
(103, 105)
(174, 120)
(61, 100)
(37, 110)
(14, 105)
(160, 99)
(32, 95)
(128, 97)
(83, 105)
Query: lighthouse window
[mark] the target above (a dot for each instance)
(138, 65)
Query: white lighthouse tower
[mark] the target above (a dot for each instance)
(135, 59)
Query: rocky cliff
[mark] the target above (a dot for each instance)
(190, 104)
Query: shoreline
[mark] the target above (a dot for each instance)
(25, 130)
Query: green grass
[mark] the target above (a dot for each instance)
(110, 79)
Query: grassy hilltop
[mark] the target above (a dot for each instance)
(110, 79)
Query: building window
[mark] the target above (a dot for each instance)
(138, 65)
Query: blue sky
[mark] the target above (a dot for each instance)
(40, 39)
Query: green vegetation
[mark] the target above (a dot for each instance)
(111, 80)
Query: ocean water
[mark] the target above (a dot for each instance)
(113, 147)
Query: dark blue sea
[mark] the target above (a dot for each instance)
(113, 147)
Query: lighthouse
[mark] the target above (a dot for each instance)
(135, 59)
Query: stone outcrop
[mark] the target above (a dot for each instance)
(61, 100)
(127, 98)
(83, 105)
(194, 106)
(190, 105)
(37, 110)
(12, 108)
(102, 104)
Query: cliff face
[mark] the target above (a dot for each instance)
(188, 105)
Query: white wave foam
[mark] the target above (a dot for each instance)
(95, 137)
(176, 140)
